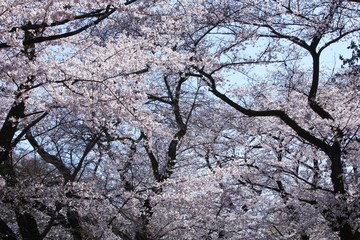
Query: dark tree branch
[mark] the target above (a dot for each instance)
(160, 99)
(27, 128)
(154, 162)
(315, 84)
(68, 34)
(129, 2)
(95, 14)
(4, 45)
(54, 160)
(172, 149)
(335, 40)
(277, 34)
(89, 146)
(267, 113)
(174, 101)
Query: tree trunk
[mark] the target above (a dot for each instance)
(74, 222)
(5, 232)
(27, 226)
(346, 232)
(7, 133)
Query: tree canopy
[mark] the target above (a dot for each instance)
(179, 119)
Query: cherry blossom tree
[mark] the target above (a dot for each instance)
(184, 119)
(303, 106)
(51, 82)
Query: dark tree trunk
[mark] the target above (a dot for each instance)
(27, 226)
(75, 227)
(346, 232)
(142, 231)
(5, 232)
(305, 237)
(7, 133)
(337, 172)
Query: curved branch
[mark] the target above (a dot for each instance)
(342, 35)
(315, 85)
(29, 26)
(54, 160)
(69, 34)
(268, 113)
(27, 128)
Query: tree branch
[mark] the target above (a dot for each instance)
(54, 160)
(267, 113)
(69, 34)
